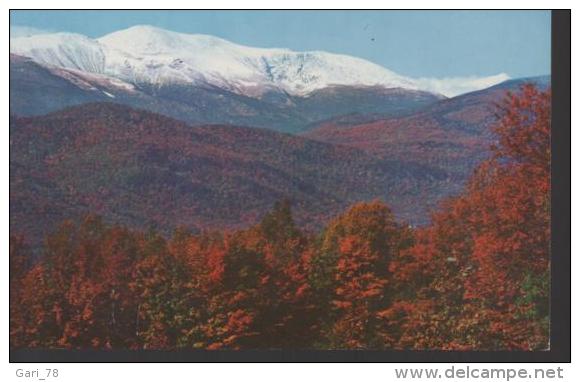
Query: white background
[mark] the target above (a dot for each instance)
(260, 372)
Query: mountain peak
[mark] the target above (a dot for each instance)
(145, 28)
(141, 39)
(151, 40)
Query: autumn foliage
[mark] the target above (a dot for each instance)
(476, 278)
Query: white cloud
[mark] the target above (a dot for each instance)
(25, 31)
(454, 86)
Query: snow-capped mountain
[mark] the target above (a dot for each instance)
(149, 55)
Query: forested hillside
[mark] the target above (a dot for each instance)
(475, 278)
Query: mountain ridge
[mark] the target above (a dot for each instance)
(453, 134)
(36, 90)
(154, 55)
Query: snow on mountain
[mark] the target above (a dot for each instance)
(145, 54)
(142, 52)
(460, 85)
(64, 50)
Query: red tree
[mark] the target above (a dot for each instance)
(485, 259)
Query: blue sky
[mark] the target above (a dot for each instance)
(413, 43)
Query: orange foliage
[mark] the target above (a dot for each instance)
(476, 278)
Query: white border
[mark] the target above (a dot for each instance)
(263, 372)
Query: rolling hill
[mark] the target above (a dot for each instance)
(142, 169)
(451, 135)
